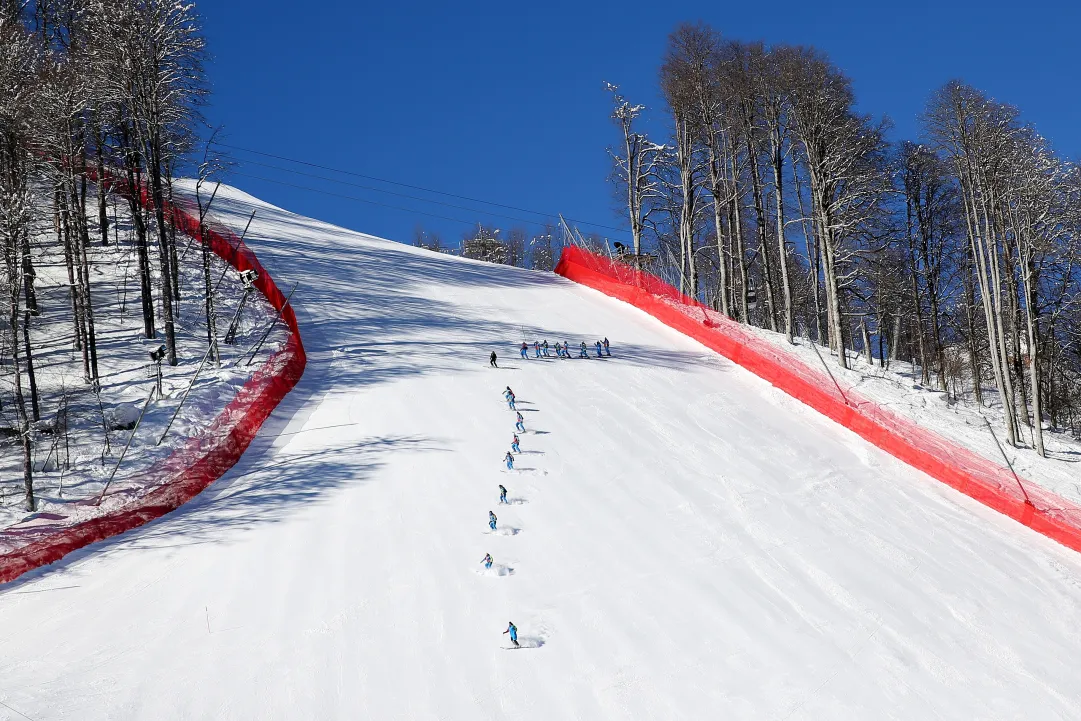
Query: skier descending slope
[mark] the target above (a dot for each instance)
(582, 353)
(599, 349)
(487, 560)
(520, 425)
(514, 444)
(525, 351)
(536, 349)
(513, 631)
(491, 520)
(491, 360)
(502, 493)
(607, 352)
(509, 459)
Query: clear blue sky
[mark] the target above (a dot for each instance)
(504, 101)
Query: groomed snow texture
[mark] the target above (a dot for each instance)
(683, 542)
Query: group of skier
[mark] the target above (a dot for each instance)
(541, 348)
(508, 459)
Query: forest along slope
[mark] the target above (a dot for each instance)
(80, 438)
(682, 540)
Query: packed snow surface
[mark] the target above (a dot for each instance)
(683, 541)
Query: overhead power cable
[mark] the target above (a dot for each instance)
(413, 187)
(390, 192)
(370, 202)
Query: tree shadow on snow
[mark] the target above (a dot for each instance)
(377, 303)
(251, 494)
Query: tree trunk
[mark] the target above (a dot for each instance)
(718, 225)
(760, 230)
(158, 194)
(146, 288)
(1033, 330)
(782, 246)
(20, 400)
(736, 224)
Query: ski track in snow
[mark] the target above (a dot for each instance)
(695, 543)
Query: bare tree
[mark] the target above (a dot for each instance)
(635, 166)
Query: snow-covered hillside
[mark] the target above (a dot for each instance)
(74, 467)
(960, 419)
(683, 541)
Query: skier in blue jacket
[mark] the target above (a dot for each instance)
(513, 631)
(509, 460)
(520, 424)
(598, 349)
(536, 349)
(525, 351)
(514, 444)
(487, 560)
(502, 493)
(491, 520)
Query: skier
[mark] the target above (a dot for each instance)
(509, 460)
(598, 349)
(544, 345)
(566, 350)
(582, 353)
(520, 425)
(502, 493)
(491, 360)
(491, 520)
(509, 395)
(536, 349)
(514, 444)
(525, 351)
(606, 351)
(513, 631)
(487, 560)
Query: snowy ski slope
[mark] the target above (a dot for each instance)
(684, 541)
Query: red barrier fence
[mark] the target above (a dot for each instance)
(201, 460)
(940, 458)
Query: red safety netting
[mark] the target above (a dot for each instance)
(202, 459)
(949, 462)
